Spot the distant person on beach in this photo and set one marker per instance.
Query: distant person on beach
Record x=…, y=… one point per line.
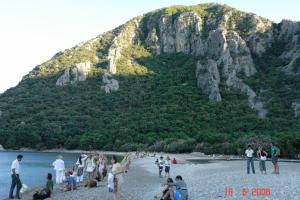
x=126, y=162
x=59, y=167
x=117, y=171
x=15, y=177
x=275, y=152
x=167, y=166
x=80, y=167
x=71, y=182
x=174, y=161
x=90, y=166
x=102, y=167
x=249, y=154
x=262, y=156
x=161, y=164
x=47, y=191
x=181, y=187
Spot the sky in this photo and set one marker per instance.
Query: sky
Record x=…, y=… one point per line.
x=32, y=31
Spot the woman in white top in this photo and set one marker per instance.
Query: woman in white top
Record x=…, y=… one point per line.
x=59, y=167
x=80, y=167
x=117, y=171
x=167, y=166
x=90, y=166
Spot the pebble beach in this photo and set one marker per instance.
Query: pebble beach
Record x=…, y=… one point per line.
x=208, y=181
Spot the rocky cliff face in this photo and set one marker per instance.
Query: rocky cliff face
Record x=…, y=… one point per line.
x=224, y=40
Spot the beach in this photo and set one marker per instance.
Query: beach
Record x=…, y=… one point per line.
x=205, y=181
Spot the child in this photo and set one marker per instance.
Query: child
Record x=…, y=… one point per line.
x=71, y=182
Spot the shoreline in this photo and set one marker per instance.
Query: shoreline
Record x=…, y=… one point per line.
x=181, y=157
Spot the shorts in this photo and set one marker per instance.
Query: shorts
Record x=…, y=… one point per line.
x=167, y=169
x=274, y=159
x=160, y=168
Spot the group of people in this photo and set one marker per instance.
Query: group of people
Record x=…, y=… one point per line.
x=94, y=165
x=262, y=156
x=161, y=164
x=173, y=190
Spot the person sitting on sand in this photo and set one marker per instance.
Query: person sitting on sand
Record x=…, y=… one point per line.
x=71, y=182
x=168, y=193
x=181, y=187
x=47, y=191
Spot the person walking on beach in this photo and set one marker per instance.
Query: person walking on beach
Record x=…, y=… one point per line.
x=275, y=152
x=15, y=177
x=80, y=167
x=262, y=156
x=167, y=166
x=59, y=167
x=161, y=164
x=249, y=153
x=117, y=171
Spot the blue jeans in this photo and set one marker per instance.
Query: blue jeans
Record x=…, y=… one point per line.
x=15, y=181
x=250, y=161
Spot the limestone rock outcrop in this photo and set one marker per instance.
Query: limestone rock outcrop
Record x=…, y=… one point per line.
x=78, y=73
x=110, y=84
x=121, y=41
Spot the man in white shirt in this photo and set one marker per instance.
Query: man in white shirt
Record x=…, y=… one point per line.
x=15, y=177
x=249, y=154
x=59, y=167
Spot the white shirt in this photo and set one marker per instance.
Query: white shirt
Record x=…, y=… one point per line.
x=15, y=165
x=168, y=163
x=249, y=152
x=59, y=164
x=161, y=162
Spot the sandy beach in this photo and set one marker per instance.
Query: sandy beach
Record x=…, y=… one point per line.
x=205, y=181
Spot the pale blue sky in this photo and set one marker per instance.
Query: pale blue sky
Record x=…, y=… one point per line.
x=32, y=31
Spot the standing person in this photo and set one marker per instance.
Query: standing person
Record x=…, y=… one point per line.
x=167, y=166
x=117, y=171
x=90, y=166
x=275, y=152
x=249, y=153
x=15, y=177
x=80, y=167
x=59, y=167
x=262, y=156
x=102, y=167
x=161, y=163
x=47, y=191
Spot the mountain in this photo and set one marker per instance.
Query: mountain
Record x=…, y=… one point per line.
x=204, y=78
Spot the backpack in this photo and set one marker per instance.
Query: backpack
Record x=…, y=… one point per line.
x=177, y=195
x=278, y=152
